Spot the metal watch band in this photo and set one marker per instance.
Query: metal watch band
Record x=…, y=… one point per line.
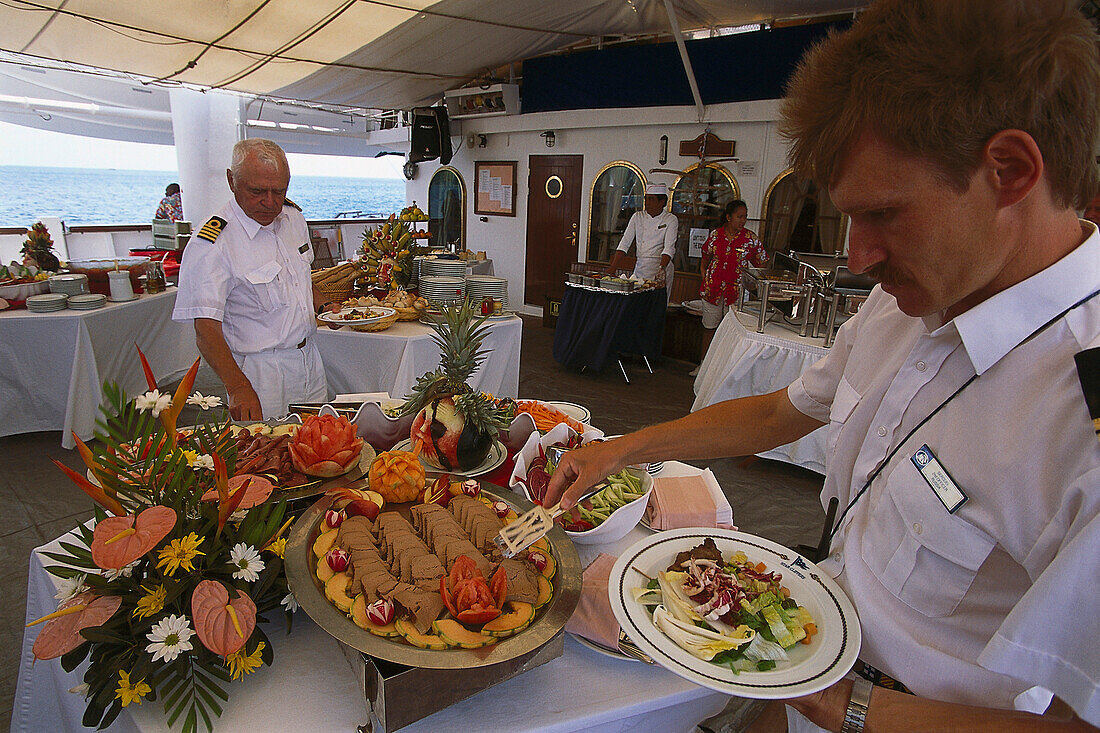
x=856, y=713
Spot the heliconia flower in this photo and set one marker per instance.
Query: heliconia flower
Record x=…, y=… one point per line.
x=206, y=402
x=154, y=401
x=175, y=404
x=71, y=587
x=247, y=561
x=130, y=692
x=170, y=636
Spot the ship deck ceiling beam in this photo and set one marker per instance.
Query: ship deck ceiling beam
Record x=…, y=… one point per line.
x=675, y=23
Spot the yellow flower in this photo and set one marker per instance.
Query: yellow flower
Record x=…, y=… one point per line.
x=241, y=664
x=179, y=553
x=190, y=455
x=131, y=692
x=278, y=546
x=150, y=603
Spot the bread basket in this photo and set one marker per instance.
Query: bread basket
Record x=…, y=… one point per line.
x=381, y=325
x=407, y=314
x=336, y=293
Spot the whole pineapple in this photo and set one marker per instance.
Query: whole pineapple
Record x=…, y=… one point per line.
x=454, y=425
x=38, y=249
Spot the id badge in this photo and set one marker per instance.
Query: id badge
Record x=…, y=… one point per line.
x=944, y=487
x=304, y=248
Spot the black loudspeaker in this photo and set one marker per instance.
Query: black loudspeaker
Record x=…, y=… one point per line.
x=431, y=135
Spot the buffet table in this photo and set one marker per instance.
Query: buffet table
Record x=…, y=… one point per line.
x=742, y=362
x=391, y=360
x=53, y=365
x=311, y=687
x=595, y=325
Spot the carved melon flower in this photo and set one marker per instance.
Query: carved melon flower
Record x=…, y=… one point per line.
x=70, y=587
x=241, y=664
x=154, y=401
x=247, y=561
x=130, y=692
x=150, y=603
x=170, y=636
x=179, y=553
x=206, y=402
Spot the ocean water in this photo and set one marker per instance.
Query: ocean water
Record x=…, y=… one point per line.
x=81, y=196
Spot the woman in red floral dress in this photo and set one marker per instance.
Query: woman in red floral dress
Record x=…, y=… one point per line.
x=727, y=252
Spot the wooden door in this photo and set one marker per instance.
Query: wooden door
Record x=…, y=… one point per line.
x=553, y=224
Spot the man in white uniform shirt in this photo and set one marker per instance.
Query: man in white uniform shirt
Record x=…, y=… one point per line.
x=654, y=230
x=245, y=283
x=959, y=137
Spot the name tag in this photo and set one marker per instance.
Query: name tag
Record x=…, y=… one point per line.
x=937, y=477
x=662, y=226
x=304, y=248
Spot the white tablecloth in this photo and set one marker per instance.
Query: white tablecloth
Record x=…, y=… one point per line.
x=310, y=686
x=391, y=360
x=53, y=365
x=742, y=362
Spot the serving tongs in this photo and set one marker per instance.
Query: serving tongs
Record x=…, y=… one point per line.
x=533, y=525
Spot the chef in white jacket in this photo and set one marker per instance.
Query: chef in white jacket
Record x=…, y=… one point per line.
x=654, y=230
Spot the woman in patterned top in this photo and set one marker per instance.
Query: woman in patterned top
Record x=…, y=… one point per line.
x=727, y=252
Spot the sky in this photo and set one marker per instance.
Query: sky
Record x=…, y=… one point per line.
x=43, y=148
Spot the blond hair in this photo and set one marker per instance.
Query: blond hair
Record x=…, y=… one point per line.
x=938, y=78
x=266, y=151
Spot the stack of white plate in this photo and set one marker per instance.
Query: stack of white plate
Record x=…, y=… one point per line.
x=441, y=290
x=87, y=302
x=69, y=284
x=480, y=287
x=47, y=302
x=443, y=268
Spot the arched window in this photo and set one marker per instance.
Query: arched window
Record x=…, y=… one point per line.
x=616, y=194
x=801, y=217
x=697, y=200
x=447, y=210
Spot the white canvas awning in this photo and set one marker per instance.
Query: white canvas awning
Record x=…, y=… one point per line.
x=388, y=54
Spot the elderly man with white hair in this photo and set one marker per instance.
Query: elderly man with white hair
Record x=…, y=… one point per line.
x=245, y=283
x=654, y=229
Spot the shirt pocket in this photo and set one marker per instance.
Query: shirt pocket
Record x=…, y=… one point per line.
x=265, y=285
x=844, y=404
x=926, y=557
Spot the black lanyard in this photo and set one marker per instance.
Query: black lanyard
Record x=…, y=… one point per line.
x=831, y=529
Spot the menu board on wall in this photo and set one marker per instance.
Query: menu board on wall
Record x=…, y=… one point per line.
x=496, y=186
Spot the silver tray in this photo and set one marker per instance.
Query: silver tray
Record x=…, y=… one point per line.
x=549, y=620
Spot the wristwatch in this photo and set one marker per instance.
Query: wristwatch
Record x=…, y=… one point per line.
x=856, y=713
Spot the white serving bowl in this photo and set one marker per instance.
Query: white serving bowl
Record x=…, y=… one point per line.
x=23, y=290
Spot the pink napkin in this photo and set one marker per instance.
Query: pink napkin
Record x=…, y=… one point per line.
x=683, y=501
x=593, y=618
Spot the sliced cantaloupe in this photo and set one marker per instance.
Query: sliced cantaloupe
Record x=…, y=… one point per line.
x=551, y=566
x=546, y=592
x=414, y=637
x=324, y=543
x=455, y=634
x=515, y=618
x=324, y=570
x=359, y=616
x=336, y=589
x=542, y=544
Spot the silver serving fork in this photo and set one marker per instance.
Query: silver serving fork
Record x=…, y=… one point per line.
x=533, y=525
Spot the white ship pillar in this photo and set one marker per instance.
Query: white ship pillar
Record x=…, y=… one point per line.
x=205, y=126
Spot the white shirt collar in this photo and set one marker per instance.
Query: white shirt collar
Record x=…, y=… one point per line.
x=998, y=324
x=250, y=225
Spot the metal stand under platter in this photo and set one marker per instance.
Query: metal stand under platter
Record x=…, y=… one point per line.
x=395, y=692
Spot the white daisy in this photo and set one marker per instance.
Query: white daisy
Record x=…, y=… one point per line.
x=170, y=636
x=289, y=602
x=123, y=572
x=70, y=587
x=204, y=402
x=247, y=561
x=154, y=401
x=201, y=461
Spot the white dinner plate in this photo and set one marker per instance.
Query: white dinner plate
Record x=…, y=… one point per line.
x=378, y=313
x=812, y=667
x=496, y=456
x=580, y=413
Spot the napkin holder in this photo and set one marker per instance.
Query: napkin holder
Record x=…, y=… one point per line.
x=395, y=693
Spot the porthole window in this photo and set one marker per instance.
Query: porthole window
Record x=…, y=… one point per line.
x=447, y=210
x=616, y=194
x=698, y=197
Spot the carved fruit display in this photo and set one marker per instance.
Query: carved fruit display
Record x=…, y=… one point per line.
x=397, y=475
x=325, y=446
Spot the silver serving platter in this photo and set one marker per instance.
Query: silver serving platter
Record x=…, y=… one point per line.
x=549, y=620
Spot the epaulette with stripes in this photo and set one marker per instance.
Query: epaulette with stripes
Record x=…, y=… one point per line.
x=211, y=229
x=291, y=204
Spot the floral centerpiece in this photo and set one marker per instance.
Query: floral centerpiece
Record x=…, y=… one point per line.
x=388, y=251
x=38, y=249
x=165, y=593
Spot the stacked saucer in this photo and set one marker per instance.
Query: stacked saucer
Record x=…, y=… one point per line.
x=440, y=290
x=69, y=284
x=47, y=302
x=87, y=302
x=443, y=268
x=480, y=287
